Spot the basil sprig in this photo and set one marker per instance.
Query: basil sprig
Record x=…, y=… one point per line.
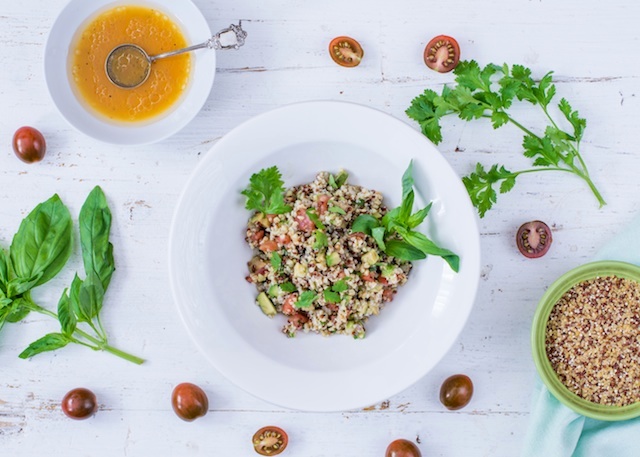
x=395, y=234
x=39, y=251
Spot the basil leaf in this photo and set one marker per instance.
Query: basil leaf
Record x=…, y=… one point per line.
x=407, y=181
x=74, y=300
x=49, y=342
x=315, y=219
x=43, y=242
x=364, y=223
x=332, y=181
x=390, y=219
x=19, y=309
x=427, y=246
x=95, y=225
x=18, y=286
x=321, y=240
x=4, y=269
x=331, y=296
x=405, y=208
x=4, y=300
x=276, y=261
x=341, y=178
x=288, y=287
x=419, y=216
x=378, y=235
x=337, y=210
x=340, y=286
x=404, y=251
x=306, y=299
x=67, y=318
x=91, y=295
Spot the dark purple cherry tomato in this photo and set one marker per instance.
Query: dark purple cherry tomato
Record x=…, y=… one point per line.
x=270, y=440
x=346, y=51
x=442, y=54
x=402, y=448
x=29, y=144
x=79, y=403
x=456, y=391
x=534, y=239
x=189, y=401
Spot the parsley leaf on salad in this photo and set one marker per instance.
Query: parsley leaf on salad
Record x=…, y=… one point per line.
x=266, y=192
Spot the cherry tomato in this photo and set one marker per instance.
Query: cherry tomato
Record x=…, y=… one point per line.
x=456, y=391
x=79, y=403
x=402, y=448
x=534, y=239
x=189, y=401
x=442, y=54
x=270, y=440
x=346, y=51
x=29, y=144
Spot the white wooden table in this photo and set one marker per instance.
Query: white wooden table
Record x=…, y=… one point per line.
x=593, y=47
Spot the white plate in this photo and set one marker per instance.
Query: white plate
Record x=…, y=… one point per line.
x=72, y=17
x=208, y=257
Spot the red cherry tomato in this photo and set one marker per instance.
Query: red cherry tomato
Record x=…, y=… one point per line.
x=442, y=54
x=456, y=391
x=270, y=440
x=534, y=239
x=189, y=401
x=402, y=448
x=79, y=403
x=346, y=51
x=29, y=144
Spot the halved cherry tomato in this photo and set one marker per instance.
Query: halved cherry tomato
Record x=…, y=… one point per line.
x=346, y=51
x=442, y=54
x=534, y=239
x=270, y=440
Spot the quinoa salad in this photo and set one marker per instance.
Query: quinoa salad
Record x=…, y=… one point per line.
x=310, y=266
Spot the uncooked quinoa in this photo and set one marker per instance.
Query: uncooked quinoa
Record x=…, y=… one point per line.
x=309, y=266
x=593, y=340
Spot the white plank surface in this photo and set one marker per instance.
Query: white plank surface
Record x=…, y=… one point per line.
x=591, y=46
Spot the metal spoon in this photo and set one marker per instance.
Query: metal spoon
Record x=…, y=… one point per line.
x=128, y=65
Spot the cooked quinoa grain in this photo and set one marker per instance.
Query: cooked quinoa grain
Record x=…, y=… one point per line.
x=593, y=340
x=324, y=278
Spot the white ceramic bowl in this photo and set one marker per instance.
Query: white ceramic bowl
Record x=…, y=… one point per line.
x=57, y=74
x=208, y=259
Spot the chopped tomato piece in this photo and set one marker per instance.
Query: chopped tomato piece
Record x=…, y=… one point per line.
x=257, y=236
x=268, y=246
x=287, y=306
x=323, y=203
x=284, y=239
x=387, y=294
x=304, y=223
x=368, y=276
x=298, y=319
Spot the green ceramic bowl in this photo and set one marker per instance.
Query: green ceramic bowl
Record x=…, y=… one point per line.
x=546, y=372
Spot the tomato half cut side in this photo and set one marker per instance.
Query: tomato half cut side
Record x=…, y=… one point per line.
x=270, y=440
x=346, y=51
x=442, y=54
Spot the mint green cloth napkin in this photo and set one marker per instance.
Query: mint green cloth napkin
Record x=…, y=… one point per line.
x=554, y=429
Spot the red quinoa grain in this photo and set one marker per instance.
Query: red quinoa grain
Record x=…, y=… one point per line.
x=593, y=340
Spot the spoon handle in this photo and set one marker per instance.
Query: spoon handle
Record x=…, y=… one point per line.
x=179, y=51
x=233, y=36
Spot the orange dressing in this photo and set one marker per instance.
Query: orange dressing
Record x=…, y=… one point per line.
x=154, y=32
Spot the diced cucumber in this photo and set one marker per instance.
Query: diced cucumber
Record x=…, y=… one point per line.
x=333, y=259
x=370, y=257
x=266, y=305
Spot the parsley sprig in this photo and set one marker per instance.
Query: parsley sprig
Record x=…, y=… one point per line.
x=488, y=93
x=395, y=234
x=266, y=192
